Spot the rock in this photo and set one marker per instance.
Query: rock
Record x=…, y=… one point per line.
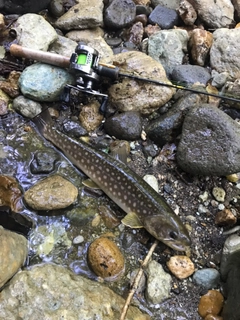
x=90, y=117
x=205, y=134
x=85, y=35
x=43, y=82
x=109, y=217
x=142, y=283
x=152, y=181
x=56, y=8
x=84, y=15
x=44, y=161
x=131, y=95
x=61, y=294
x=181, y=266
x=225, y=218
x=219, y=194
x=63, y=46
x=208, y=278
x=16, y=7
x=10, y=193
x=10, y=86
x=210, y=303
x=164, y=17
x=27, y=107
x=105, y=259
x=161, y=43
x=231, y=249
x=187, y=12
x=172, y=4
x=120, y=13
x=51, y=193
x=167, y=126
x=236, y=4
x=136, y=33
x=4, y=100
x=233, y=177
x=189, y=74
x=224, y=50
x=13, y=253
x=34, y=32
x=213, y=317
x=200, y=43
x=121, y=125
x=74, y=129
x=215, y=14
x=78, y=239
x=158, y=283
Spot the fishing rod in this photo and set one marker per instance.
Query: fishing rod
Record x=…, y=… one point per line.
x=85, y=66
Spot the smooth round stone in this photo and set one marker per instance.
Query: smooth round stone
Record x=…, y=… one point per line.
x=105, y=259
x=210, y=303
x=181, y=266
x=207, y=278
x=190, y=74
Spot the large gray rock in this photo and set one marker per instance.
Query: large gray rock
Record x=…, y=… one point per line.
x=120, y=13
x=209, y=143
x=24, y=6
x=53, y=292
x=224, y=53
x=13, y=253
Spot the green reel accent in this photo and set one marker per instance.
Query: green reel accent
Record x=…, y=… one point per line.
x=85, y=59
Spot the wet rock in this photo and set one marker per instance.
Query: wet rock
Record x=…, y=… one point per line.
x=109, y=217
x=219, y=194
x=14, y=6
x=120, y=13
x=213, y=317
x=43, y=82
x=10, y=193
x=189, y=74
x=51, y=193
x=208, y=278
x=216, y=14
x=105, y=259
x=121, y=125
x=136, y=33
x=224, y=50
x=200, y=43
x=70, y=295
x=4, y=100
x=84, y=15
x=206, y=133
x=13, y=253
x=210, y=303
x=90, y=117
x=158, y=283
x=164, y=17
x=225, y=218
x=181, y=266
x=130, y=95
x=27, y=107
x=74, y=129
x=168, y=126
x=34, y=32
x=141, y=18
x=187, y=12
x=44, y=161
x=10, y=86
x=165, y=41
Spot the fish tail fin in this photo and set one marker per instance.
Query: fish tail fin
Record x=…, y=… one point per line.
x=42, y=120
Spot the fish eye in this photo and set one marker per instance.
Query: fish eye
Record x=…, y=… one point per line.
x=173, y=235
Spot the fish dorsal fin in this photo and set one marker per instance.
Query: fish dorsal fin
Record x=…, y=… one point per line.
x=90, y=184
x=131, y=220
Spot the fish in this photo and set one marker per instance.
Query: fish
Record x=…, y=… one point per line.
x=145, y=208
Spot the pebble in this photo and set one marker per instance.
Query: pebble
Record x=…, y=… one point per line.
x=225, y=218
x=74, y=129
x=44, y=161
x=136, y=33
x=213, y=317
x=181, y=266
x=79, y=239
x=34, y=32
x=164, y=17
x=219, y=194
x=90, y=117
x=187, y=13
x=119, y=14
x=33, y=81
x=130, y=95
x=200, y=43
x=53, y=192
x=4, y=100
x=27, y=107
x=80, y=17
x=152, y=181
x=10, y=85
x=105, y=259
x=10, y=193
x=210, y=303
x=13, y=253
x=208, y=278
x=233, y=177
x=158, y=283
x=211, y=130
x=121, y=125
x=189, y=74
x=172, y=4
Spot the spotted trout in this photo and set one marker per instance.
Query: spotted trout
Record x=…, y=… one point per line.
x=143, y=205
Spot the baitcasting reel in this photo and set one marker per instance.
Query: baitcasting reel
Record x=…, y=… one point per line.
x=84, y=65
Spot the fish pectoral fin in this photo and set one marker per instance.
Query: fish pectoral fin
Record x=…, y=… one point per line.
x=131, y=220
x=90, y=184
x=120, y=151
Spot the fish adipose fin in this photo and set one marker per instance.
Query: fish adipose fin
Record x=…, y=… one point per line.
x=131, y=220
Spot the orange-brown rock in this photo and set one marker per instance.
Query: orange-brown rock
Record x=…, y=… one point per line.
x=10, y=86
x=200, y=43
x=10, y=194
x=213, y=317
x=90, y=117
x=105, y=259
x=187, y=12
x=225, y=218
x=210, y=303
x=181, y=266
